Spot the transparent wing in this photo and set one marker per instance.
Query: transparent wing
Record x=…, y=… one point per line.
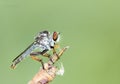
x=24, y=54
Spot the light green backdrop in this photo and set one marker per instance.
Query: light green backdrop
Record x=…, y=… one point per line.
x=90, y=27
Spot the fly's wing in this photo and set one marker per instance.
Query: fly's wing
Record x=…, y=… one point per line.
x=24, y=54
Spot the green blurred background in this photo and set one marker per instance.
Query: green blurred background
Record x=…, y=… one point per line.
x=90, y=27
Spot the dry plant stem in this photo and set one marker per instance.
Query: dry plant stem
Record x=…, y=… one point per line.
x=44, y=76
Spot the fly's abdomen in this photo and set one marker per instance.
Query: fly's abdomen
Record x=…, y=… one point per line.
x=23, y=55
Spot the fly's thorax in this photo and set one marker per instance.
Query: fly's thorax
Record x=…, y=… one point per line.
x=41, y=35
x=43, y=43
x=46, y=41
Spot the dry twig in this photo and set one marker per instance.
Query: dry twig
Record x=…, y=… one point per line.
x=44, y=76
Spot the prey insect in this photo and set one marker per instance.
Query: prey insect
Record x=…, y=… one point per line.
x=45, y=42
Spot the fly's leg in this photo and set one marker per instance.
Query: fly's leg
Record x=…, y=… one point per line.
x=38, y=59
x=62, y=51
x=56, y=46
x=34, y=54
x=43, y=53
x=59, y=54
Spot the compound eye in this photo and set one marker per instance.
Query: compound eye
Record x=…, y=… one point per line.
x=55, y=36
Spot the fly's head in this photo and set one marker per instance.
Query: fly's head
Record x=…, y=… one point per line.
x=56, y=37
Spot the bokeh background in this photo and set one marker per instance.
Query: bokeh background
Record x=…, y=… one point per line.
x=90, y=27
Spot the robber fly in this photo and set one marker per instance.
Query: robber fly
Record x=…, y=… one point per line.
x=44, y=41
